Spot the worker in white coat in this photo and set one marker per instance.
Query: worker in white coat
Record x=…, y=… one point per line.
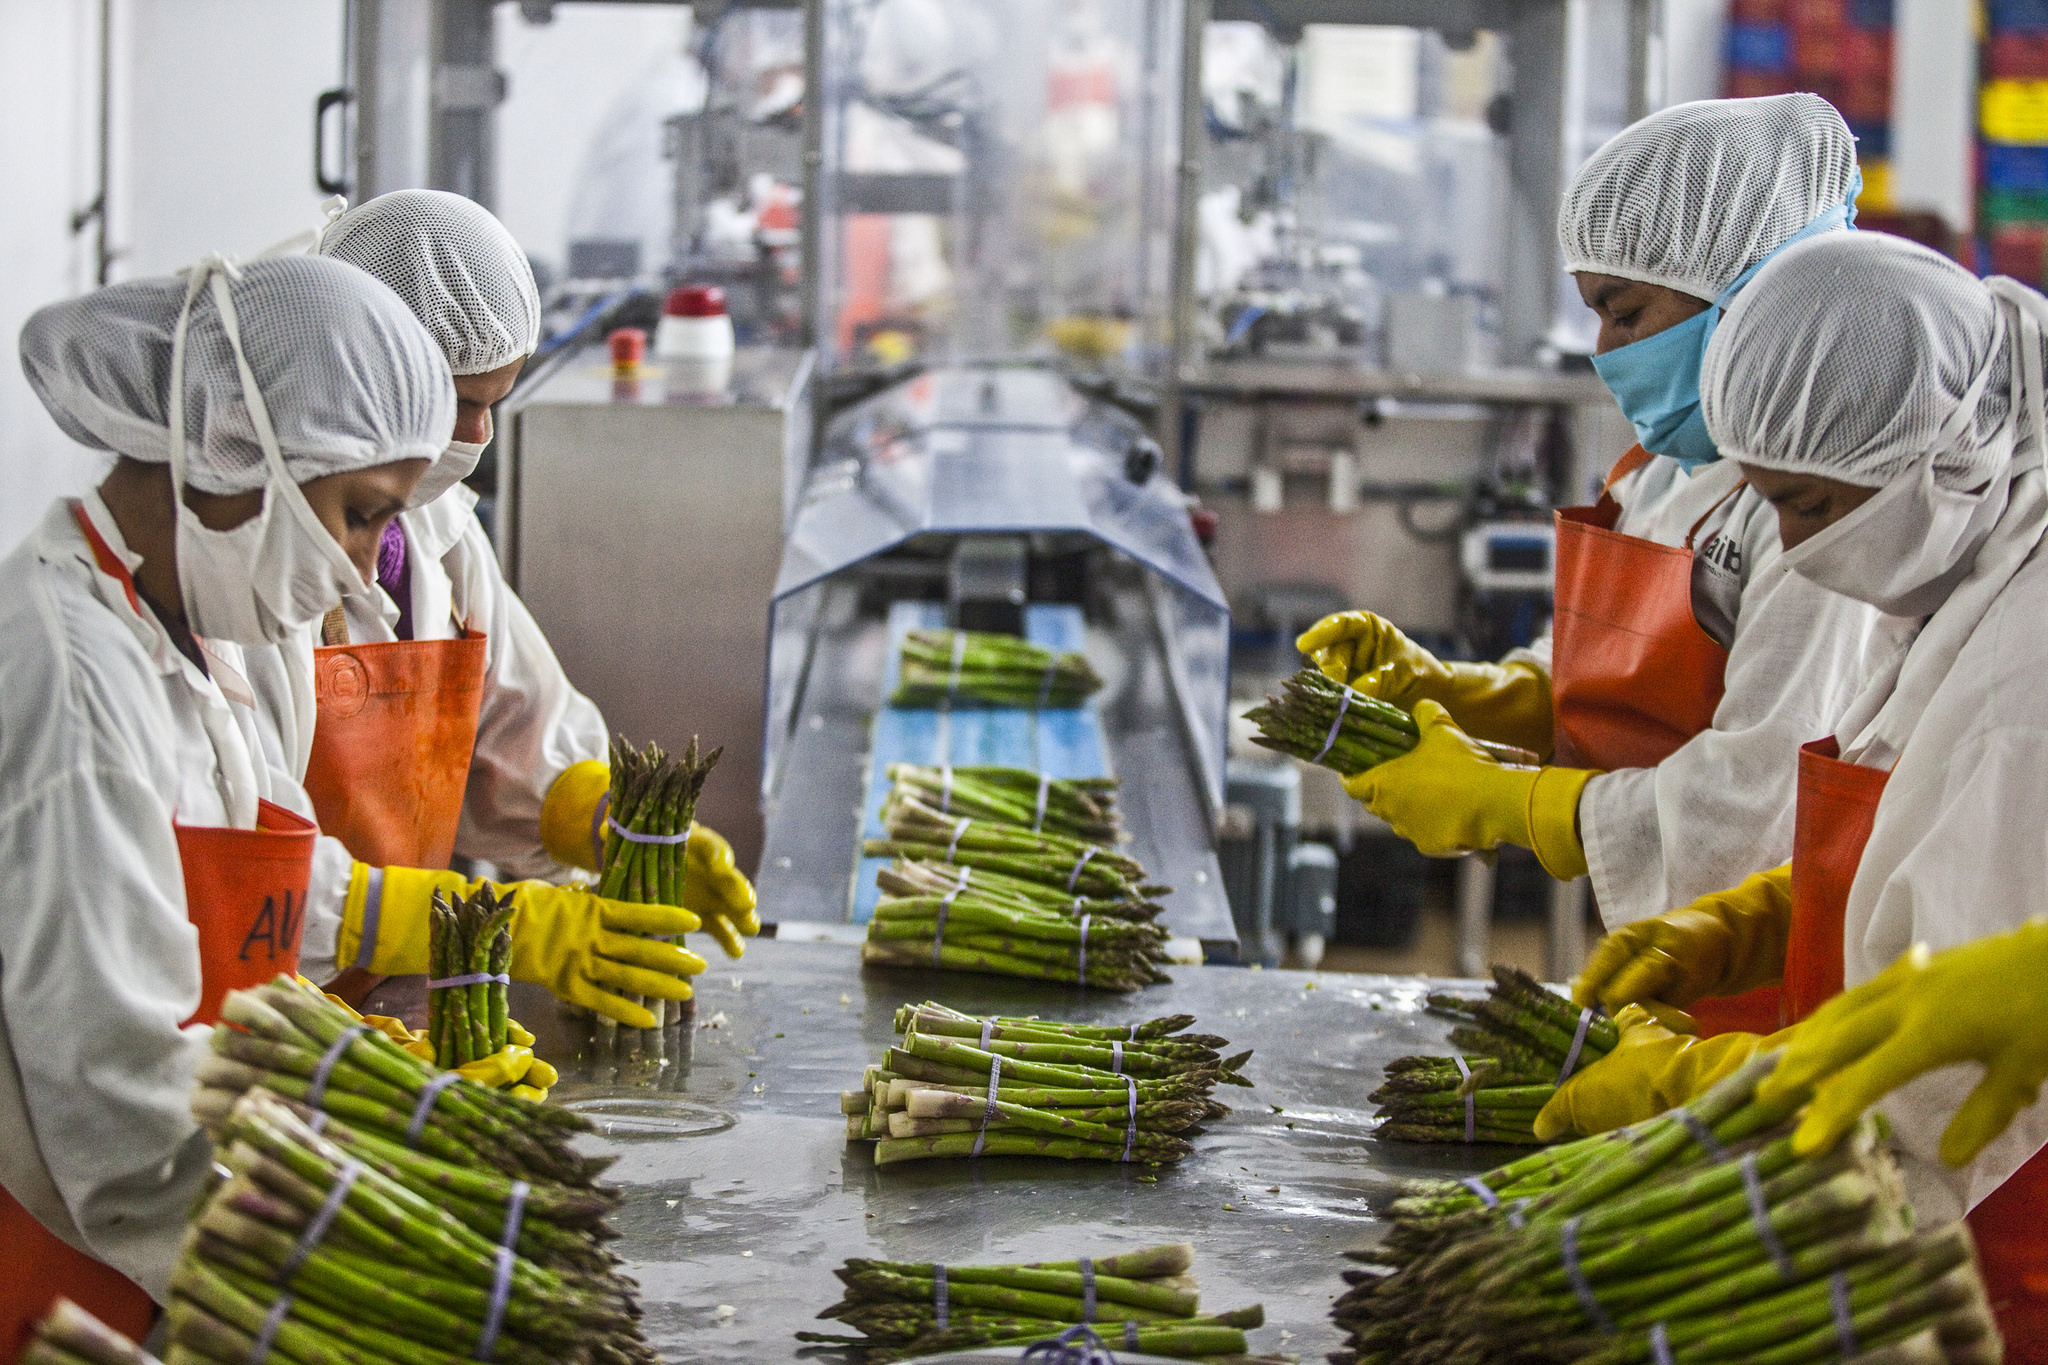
x=155, y=859
x=1686, y=662
x=445, y=722
x=1890, y=406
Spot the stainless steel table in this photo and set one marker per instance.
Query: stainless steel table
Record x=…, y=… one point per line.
x=735, y=1228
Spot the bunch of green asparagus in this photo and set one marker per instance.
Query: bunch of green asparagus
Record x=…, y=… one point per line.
x=1515, y=1047
x=469, y=944
x=1141, y=1301
x=326, y=1246
x=961, y=1086
x=1326, y=723
x=647, y=825
x=1697, y=1237
x=971, y=667
x=1081, y=808
x=68, y=1335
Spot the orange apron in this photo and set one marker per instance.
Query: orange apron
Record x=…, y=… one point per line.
x=1632, y=675
x=245, y=893
x=1837, y=805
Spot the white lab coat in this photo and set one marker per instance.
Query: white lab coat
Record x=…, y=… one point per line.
x=1720, y=807
x=107, y=733
x=533, y=723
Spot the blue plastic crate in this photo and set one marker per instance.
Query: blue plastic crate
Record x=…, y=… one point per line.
x=2026, y=16
x=2015, y=168
x=1762, y=47
x=1872, y=139
x=1870, y=13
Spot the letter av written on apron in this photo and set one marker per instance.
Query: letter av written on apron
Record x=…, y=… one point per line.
x=1837, y=807
x=1632, y=674
x=245, y=893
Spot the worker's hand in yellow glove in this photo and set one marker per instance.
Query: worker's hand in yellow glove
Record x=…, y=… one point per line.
x=1506, y=703
x=1983, y=1002
x=1447, y=795
x=570, y=825
x=507, y=1066
x=1723, y=944
x=717, y=892
x=1650, y=1070
x=588, y=950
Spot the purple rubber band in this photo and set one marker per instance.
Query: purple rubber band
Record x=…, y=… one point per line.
x=1087, y=1289
x=1074, y=877
x=1702, y=1135
x=429, y=1093
x=988, y=1115
x=1581, y=1290
x=1038, y=812
x=1845, y=1315
x=501, y=1286
x=1483, y=1190
x=1131, y=1123
x=635, y=837
x=945, y=904
x=939, y=1296
x=604, y=803
x=1052, y=666
x=946, y=790
x=1081, y=964
x=373, y=911
x=317, y=1091
x=1471, y=1099
x=1518, y=1216
x=469, y=979
x=1336, y=727
x=1760, y=1215
x=959, y=658
x=1130, y=1334
x=988, y=1029
x=259, y=1350
x=1660, y=1344
x=318, y=1123
x=958, y=830
x=1571, y=1059
x=322, y=1221
x=1116, y=1056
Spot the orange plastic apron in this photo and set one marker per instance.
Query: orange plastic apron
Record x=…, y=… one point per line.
x=397, y=724
x=245, y=892
x=1632, y=675
x=1837, y=806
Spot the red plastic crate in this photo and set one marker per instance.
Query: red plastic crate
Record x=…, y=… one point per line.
x=1867, y=56
x=2020, y=250
x=1864, y=101
x=1817, y=52
x=1817, y=13
x=1757, y=11
x=1744, y=85
x=2016, y=57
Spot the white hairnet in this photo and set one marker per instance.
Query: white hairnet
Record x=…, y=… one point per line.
x=455, y=266
x=1694, y=195
x=349, y=376
x=1853, y=355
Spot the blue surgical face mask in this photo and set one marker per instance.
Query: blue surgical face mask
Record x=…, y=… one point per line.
x=1657, y=380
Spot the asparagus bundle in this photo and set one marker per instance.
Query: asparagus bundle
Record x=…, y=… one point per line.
x=1081, y=808
x=1324, y=722
x=647, y=824
x=962, y=1086
x=469, y=945
x=68, y=1335
x=1077, y=867
x=956, y=667
x=1516, y=1046
x=290, y=1040
x=328, y=1246
x=1697, y=1237
x=1141, y=1301
x=964, y=929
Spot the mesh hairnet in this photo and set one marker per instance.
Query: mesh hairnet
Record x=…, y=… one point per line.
x=1694, y=195
x=455, y=266
x=1852, y=355
x=349, y=376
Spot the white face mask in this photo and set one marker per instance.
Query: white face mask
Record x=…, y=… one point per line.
x=277, y=572
x=457, y=462
x=1906, y=549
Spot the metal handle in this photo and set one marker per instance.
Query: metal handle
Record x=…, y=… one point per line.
x=338, y=97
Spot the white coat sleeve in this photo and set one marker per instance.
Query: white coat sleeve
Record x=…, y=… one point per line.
x=533, y=723
x=98, y=967
x=1721, y=806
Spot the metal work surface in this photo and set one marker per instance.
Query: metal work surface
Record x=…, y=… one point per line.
x=1324, y=379
x=734, y=1230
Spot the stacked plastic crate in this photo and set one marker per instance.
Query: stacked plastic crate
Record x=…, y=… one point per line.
x=2013, y=122
x=1840, y=50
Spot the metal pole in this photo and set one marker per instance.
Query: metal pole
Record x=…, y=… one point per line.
x=1567, y=928
x=1475, y=913
x=1184, y=343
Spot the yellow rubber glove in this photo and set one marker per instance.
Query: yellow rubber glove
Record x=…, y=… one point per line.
x=568, y=817
x=1650, y=1070
x=1983, y=1002
x=1506, y=703
x=1447, y=795
x=717, y=892
x=507, y=1066
x=588, y=950
x=1723, y=944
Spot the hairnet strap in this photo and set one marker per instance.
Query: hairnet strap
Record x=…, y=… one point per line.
x=1336, y=726
x=429, y=1093
x=945, y=1311
x=1483, y=1190
x=1081, y=962
x=317, y=1091
x=1760, y=1215
x=330, y=1209
x=1074, y=877
x=1660, y=1344
x=946, y=789
x=988, y=1115
x=953, y=844
x=1087, y=1289
x=1845, y=1315
x=1582, y=1289
x=1038, y=808
x=1471, y=1099
x=632, y=836
x=273, y=1322
x=195, y=280
x=501, y=1283
x=1571, y=1058
x=373, y=916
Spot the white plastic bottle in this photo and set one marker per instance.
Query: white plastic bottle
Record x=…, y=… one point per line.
x=694, y=341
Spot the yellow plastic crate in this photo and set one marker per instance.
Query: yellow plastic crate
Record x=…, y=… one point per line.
x=2015, y=112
